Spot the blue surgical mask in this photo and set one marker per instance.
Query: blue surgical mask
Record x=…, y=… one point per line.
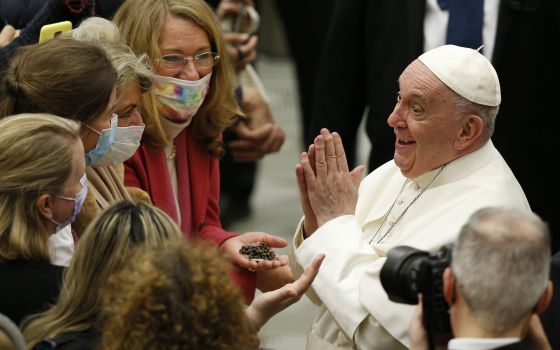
x=106, y=139
x=127, y=141
x=78, y=202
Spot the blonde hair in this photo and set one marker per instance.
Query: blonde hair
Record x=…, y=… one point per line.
x=140, y=23
x=6, y=342
x=128, y=65
x=68, y=78
x=178, y=296
x=36, y=152
x=103, y=249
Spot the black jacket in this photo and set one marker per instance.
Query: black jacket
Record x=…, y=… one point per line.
x=28, y=287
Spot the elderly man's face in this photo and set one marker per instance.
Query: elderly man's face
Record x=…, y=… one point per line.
x=424, y=121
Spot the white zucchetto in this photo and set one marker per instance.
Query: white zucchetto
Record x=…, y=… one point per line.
x=465, y=71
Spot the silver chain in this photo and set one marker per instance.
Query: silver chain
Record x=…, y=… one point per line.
x=405, y=209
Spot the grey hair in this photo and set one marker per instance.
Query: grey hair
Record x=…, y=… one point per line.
x=95, y=30
x=128, y=65
x=487, y=113
x=501, y=263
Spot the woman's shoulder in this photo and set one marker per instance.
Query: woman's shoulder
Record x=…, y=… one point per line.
x=70, y=341
x=30, y=267
x=31, y=274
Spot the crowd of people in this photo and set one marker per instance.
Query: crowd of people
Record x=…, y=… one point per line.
x=111, y=233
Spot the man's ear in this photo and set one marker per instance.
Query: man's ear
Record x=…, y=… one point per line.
x=472, y=127
x=44, y=205
x=544, y=300
x=449, y=286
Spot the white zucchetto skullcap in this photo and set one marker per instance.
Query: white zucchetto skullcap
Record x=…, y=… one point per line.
x=465, y=71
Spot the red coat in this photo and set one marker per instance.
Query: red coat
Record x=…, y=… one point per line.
x=147, y=169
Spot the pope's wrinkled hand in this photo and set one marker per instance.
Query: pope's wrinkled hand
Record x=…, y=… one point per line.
x=332, y=189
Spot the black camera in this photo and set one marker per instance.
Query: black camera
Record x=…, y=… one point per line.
x=409, y=271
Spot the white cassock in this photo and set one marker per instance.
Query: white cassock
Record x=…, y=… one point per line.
x=355, y=312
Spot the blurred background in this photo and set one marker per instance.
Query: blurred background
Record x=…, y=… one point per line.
x=274, y=203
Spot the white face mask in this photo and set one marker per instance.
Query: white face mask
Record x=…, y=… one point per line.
x=180, y=99
x=127, y=141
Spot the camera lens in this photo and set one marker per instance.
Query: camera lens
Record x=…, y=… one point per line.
x=399, y=274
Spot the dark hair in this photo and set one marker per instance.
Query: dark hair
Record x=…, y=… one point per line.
x=65, y=77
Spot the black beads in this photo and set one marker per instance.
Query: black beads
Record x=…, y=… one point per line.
x=261, y=251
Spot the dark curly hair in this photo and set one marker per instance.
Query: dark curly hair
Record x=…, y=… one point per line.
x=176, y=297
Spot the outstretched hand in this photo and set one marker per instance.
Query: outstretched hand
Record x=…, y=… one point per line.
x=268, y=304
x=231, y=248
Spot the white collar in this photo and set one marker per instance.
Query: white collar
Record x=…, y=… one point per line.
x=460, y=167
x=479, y=343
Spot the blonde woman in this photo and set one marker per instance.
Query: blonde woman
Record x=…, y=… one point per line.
x=104, y=248
x=42, y=184
x=70, y=79
x=185, y=114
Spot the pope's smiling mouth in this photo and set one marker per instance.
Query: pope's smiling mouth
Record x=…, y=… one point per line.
x=404, y=143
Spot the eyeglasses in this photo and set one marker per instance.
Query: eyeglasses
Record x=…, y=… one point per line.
x=178, y=61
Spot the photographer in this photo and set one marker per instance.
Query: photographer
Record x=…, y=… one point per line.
x=497, y=283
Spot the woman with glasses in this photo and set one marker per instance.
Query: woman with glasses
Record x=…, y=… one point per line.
x=70, y=79
x=192, y=103
x=42, y=187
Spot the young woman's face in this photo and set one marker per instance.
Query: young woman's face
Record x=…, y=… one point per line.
x=103, y=121
x=62, y=207
x=183, y=37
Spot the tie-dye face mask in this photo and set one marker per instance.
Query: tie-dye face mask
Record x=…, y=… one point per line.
x=180, y=99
